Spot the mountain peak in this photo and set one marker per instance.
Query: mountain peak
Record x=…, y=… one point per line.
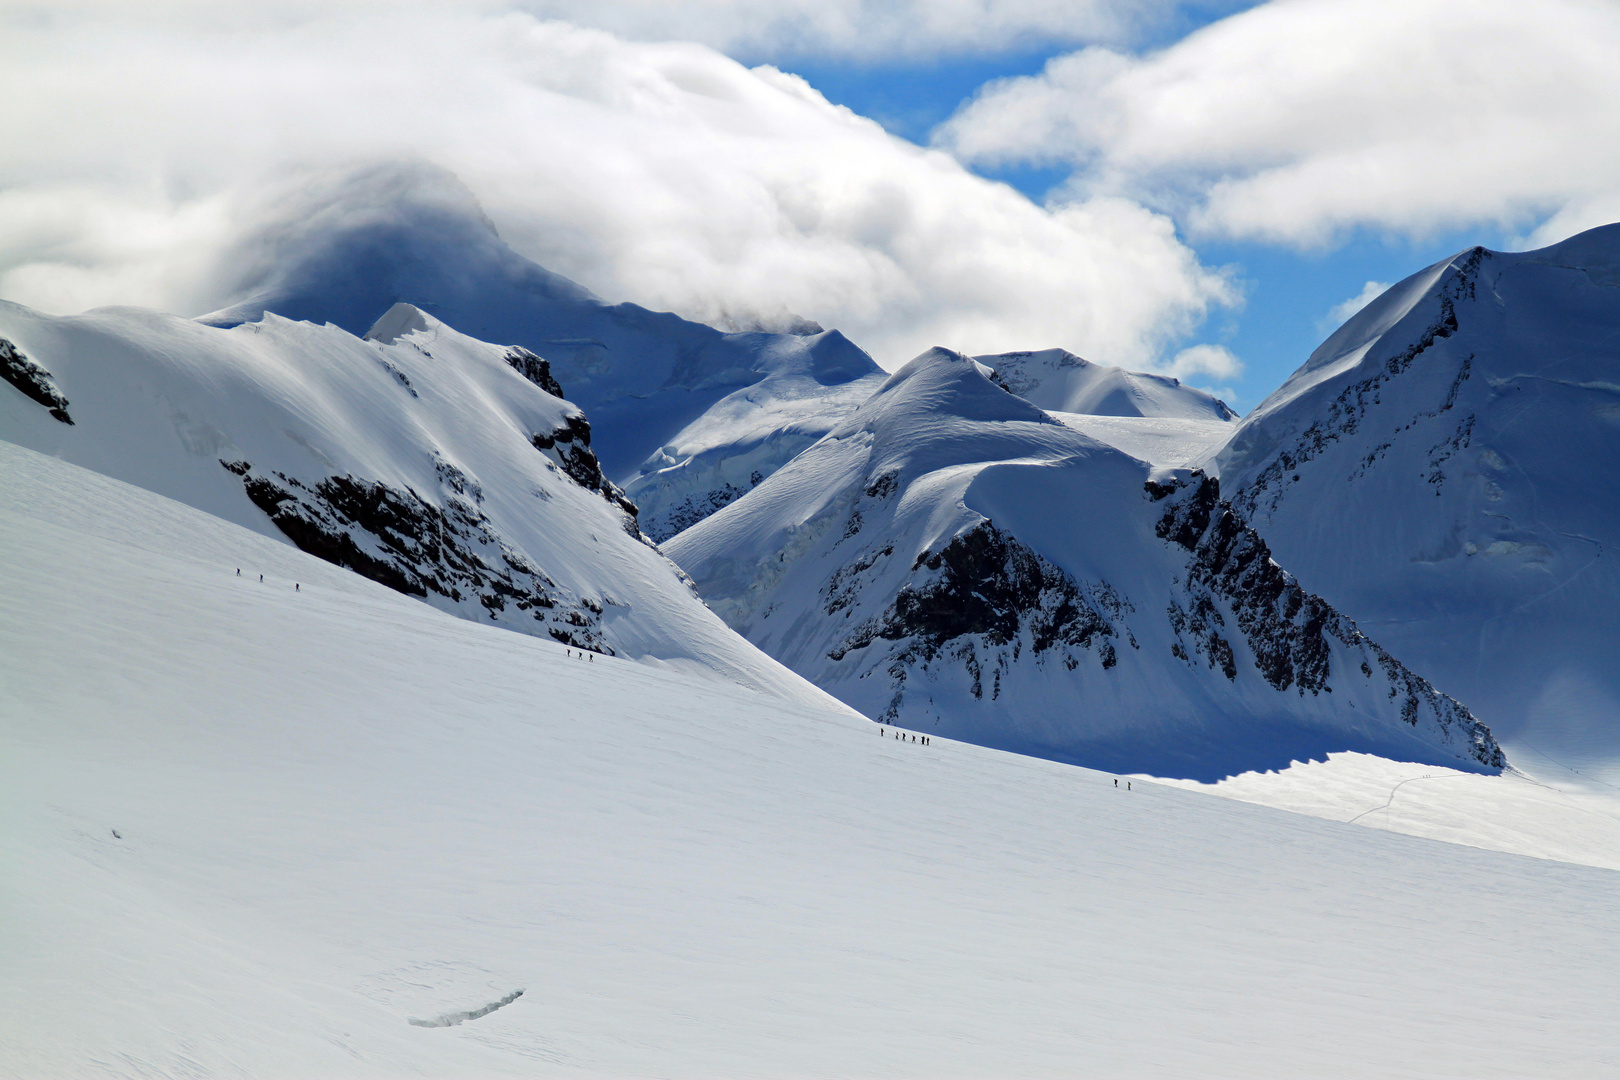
x=942, y=382
x=1059, y=381
x=400, y=321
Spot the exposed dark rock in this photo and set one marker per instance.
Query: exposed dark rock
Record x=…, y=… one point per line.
x=883, y=486
x=983, y=597
x=34, y=381
x=395, y=537
x=570, y=447
x=533, y=368
x=399, y=377
x=1288, y=630
x=1343, y=416
x=843, y=588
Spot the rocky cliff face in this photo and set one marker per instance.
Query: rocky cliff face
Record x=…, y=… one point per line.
x=32, y=381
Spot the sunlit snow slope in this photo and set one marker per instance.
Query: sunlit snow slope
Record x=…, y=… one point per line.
x=1059, y=381
x=249, y=831
x=1443, y=468
x=954, y=559
x=439, y=465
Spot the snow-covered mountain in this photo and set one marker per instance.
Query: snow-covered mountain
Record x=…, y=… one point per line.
x=953, y=559
x=1443, y=468
x=1056, y=380
x=442, y=466
x=750, y=433
x=415, y=234
x=333, y=833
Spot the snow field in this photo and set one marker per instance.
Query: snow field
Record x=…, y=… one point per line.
x=340, y=810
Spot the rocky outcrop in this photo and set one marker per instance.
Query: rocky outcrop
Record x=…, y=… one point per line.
x=1290, y=632
x=533, y=368
x=982, y=599
x=399, y=539
x=33, y=381
x=569, y=446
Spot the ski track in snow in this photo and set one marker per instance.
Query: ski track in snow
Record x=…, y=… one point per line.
x=451, y=1019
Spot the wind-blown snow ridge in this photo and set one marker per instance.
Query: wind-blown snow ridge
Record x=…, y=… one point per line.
x=1059, y=381
x=951, y=558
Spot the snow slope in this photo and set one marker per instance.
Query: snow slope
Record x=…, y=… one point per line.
x=1443, y=469
x=1059, y=381
x=415, y=234
x=953, y=559
x=439, y=465
x=338, y=811
x=747, y=435
x=1171, y=441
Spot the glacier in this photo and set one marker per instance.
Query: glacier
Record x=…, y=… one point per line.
x=252, y=831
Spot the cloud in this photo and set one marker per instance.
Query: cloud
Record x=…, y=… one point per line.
x=1300, y=119
x=1340, y=313
x=867, y=28
x=863, y=30
x=1215, y=361
x=139, y=150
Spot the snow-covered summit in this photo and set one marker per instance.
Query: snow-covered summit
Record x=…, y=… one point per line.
x=442, y=466
x=1059, y=381
x=954, y=559
x=1442, y=468
x=414, y=233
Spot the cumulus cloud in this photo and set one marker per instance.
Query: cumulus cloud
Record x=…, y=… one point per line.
x=1214, y=361
x=1211, y=368
x=140, y=149
x=1299, y=119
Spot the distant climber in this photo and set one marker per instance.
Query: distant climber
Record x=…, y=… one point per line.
x=238, y=571
x=1116, y=781
x=261, y=579
x=295, y=586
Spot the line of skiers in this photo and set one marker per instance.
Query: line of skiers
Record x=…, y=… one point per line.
x=261, y=579
x=588, y=657
x=905, y=736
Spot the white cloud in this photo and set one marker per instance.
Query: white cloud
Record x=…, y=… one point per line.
x=1299, y=119
x=1216, y=361
x=876, y=30
x=138, y=150
x=866, y=28
x=1340, y=313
